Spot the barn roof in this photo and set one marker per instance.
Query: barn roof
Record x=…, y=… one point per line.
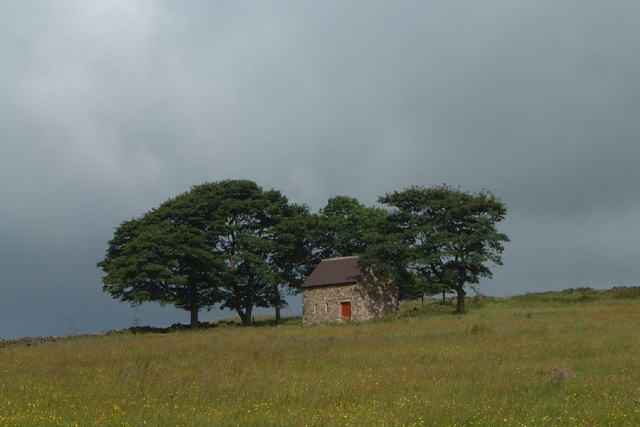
x=335, y=271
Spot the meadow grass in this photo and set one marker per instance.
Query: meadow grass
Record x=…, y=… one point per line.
x=514, y=362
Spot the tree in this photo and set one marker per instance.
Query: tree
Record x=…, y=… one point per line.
x=162, y=257
x=445, y=236
x=245, y=224
x=345, y=227
x=216, y=243
x=290, y=256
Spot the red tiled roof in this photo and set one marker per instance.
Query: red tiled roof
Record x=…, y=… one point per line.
x=335, y=271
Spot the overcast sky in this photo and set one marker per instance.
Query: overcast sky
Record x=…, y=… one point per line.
x=108, y=108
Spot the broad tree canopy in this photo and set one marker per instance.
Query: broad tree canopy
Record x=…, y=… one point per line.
x=234, y=244
x=346, y=227
x=445, y=237
x=162, y=256
x=224, y=242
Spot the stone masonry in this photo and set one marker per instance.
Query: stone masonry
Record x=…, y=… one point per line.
x=365, y=296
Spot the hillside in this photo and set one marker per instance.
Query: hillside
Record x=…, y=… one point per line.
x=566, y=358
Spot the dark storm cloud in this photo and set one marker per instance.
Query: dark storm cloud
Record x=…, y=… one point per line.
x=111, y=108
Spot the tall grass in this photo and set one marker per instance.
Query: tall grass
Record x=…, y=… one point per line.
x=513, y=362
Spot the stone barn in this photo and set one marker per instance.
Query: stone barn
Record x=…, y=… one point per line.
x=342, y=289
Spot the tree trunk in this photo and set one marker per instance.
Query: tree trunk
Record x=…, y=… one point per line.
x=460, y=302
x=194, y=316
x=278, y=315
x=245, y=316
x=248, y=319
x=277, y=305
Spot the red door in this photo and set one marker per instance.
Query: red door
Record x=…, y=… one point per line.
x=345, y=310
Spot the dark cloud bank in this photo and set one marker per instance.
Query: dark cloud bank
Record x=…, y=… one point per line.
x=111, y=108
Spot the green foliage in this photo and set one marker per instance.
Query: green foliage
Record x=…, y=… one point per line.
x=234, y=244
x=228, y=242
x=442, y=237
x=163, y=257
x=346, y=227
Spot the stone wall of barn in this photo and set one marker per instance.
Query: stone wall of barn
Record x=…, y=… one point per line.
x=369, y=299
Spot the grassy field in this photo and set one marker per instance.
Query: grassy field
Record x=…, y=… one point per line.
x=564, y=359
